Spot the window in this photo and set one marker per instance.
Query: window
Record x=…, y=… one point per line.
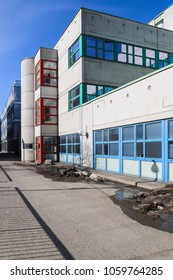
x=153, y=149
x=128, y=149
x=74, y=52
x=91, y=92
x=38, y=112
x=128, y=141
x=50, y=148
x=130, y=54
x=46, y=73
x=139, y=141
x=153, y=143
x=98, y=136
x=99, y=48
x=128, y=133
x=163, y=59
x=107, y=142
x=113, y=134
x=75, y=97
x=46, y=111
x=84, y=93
x=49, y=111
x=170, y=139
x=70, y=144
x=150, y=58
x=153, y=131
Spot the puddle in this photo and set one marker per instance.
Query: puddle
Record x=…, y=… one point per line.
x=161, y=220
x=125, y=194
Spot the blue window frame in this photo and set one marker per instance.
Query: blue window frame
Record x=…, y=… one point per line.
x=70, y=144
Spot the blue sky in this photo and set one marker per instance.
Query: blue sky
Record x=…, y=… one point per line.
x=27, y=25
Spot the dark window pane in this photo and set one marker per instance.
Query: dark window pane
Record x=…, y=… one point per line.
x=105, y=149
x=98, y=136
x=113, y=134
x=153, y=149
x=69, y=138
x=98, y=149
x=170, y=149
x=139, y=150
x=128, y=149
x=139, y=132
x=77, y=149
x=113, y=149
x=62, y=149
x=70, y=149
x=153, y=131
x=128, y=133
x=76, y=102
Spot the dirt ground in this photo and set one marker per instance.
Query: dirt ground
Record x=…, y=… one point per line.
x=150, y=208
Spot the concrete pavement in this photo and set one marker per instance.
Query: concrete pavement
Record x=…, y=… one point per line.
x=77, y=220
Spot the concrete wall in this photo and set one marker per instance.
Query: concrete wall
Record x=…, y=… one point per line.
x=27, y=107
x=124, y=30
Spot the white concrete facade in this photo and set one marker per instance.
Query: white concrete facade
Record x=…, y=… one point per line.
x=164, y=19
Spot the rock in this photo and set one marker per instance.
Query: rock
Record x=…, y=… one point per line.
x=48, y=162
x=84, y=173
x=160, y=207
x=96, y=178
x=62, y=172
x=140, y=194
x=76, y=174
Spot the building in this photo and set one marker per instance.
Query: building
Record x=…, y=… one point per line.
x=11, y=121
x=164, y=19
x=101, y=97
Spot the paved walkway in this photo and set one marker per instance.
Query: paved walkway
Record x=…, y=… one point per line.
x=44, y=219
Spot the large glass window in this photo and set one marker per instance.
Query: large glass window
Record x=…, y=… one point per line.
x=106, y=49
x=107, y=142
x=70, y=144
x=99, y=48
x=130, y=54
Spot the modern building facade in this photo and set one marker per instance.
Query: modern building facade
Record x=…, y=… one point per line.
x=164, y=19
x=11, y=121
x=101, y=97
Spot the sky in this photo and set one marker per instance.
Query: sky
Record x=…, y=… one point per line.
x=27, y=25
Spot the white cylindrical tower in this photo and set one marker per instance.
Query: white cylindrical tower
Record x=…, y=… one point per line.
x=27, y=109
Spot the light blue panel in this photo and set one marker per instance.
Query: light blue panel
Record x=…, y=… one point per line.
x=101, y=163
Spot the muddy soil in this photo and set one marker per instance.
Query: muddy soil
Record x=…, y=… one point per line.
x=150, y=208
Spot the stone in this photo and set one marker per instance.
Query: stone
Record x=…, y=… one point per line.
x=96, y=178
x=48, y=162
